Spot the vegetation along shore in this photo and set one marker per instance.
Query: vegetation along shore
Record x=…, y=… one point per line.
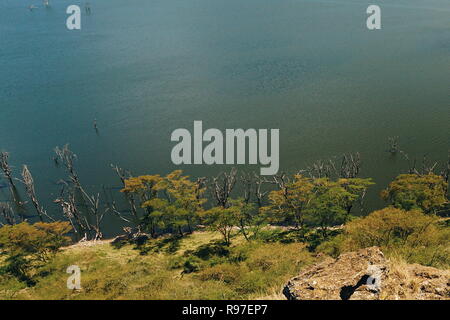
x=238, y=235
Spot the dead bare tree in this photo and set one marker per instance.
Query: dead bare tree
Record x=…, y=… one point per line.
x=121, y=173
x=281, y=180
x=7, y=213
x=426, y=166
x=429, y=167
x=29, y=186
x=350, y=166
x=4, y=165
x=97, y=214
x=200, y=187
x=70, y=210
x=411, y=163
x=67, y=157
x=124, y=175
x=223, y=185
x=247, y=185
x=259, y=193
x=445, y=173
x=320, y=169
x=118, y=213
x=393, y=145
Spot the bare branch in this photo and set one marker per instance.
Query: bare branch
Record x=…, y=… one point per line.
x=7, y=213
x=223, y=185
x=4, y=166
x=29, y=186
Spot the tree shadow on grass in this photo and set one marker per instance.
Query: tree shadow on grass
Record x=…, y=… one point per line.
x=168, y=245
x=207, y=251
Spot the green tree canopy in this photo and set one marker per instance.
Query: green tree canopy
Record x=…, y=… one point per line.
x=26, y=245
x=413, y=191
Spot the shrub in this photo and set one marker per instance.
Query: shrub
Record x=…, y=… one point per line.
x=332, y=247
x=413, y=235
x=26, y=245
x=191, y=264
x=391, y=227
x=413, y=191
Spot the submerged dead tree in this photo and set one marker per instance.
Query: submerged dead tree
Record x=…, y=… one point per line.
x=7, y=213
x=29, y=187
x=76, y=218
x=246, y=180
x=393, y=145
x=97, y=214
x=260, y=194
x=88, y=222
x=124, y=175
x=5, y=167
x=445, y=173
x=428, y=167
x=349, y=167
x=321, y=169
x=67, y=158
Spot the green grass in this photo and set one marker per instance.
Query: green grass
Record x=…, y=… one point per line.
x=197, y=266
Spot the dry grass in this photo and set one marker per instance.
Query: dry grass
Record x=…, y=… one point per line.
x=257, y=269
x=409, y=281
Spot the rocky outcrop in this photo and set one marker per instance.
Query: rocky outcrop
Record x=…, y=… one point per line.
x=367, y=275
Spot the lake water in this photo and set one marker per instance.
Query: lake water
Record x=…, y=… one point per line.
x=143, y=68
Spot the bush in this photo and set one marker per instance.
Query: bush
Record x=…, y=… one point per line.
x=26, y=246
x=413, y=235
x=332, y=247
x=413, y=191
x=392, y=227
x=191, y=264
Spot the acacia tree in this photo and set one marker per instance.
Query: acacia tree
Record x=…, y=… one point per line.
x=288, y=203
x=26, y=246
x=414, y=191
x=177, y=203
x=186, y=197
x=395, y=227
x=356, y=187
x=328, y=204
x=245, y=215
x=145, y=188
x=222, y=220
